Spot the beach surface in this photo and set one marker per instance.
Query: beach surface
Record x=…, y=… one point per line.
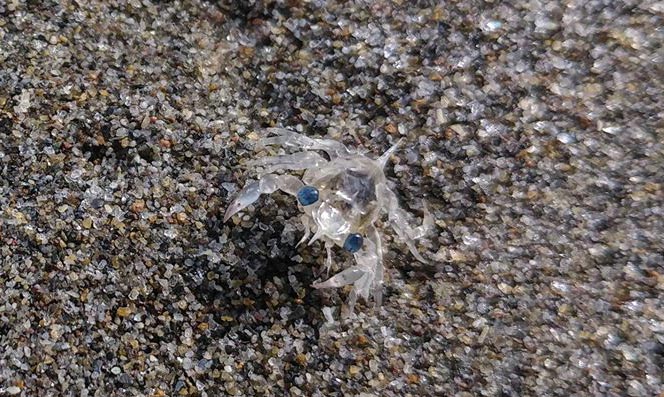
x=532, y=130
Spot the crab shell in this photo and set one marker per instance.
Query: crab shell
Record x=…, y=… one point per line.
x=351, y=195
x=348, y=201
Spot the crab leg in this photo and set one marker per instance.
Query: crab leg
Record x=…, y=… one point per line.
x=363, y=275
x=292, y=139
x=385, y=157
x=348, y=276
x=328, y=260
x=266, y=184
x=377, y=285
x=307, y=230
x=295, y=161
x=398, y=220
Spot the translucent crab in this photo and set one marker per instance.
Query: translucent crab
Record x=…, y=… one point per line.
x=342, y=198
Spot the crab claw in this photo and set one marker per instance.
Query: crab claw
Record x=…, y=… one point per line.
x=348, y=276
x=246, y=197
x=266, y=185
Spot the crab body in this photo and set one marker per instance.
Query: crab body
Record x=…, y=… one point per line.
x=341, y=200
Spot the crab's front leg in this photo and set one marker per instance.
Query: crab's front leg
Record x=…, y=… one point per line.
x=328, y=259
x=266, y=184
x=306, y=221
x=366, y=275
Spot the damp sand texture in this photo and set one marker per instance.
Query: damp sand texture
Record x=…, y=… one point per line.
x=533, y=131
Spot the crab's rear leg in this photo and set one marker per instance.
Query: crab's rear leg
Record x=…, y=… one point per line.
x=292, y=139
x=378, y=270
x=295, y=161
x=398, y=219
x=266, y=184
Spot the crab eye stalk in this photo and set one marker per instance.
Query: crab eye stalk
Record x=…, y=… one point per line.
x=353, y=243
x=307, y=195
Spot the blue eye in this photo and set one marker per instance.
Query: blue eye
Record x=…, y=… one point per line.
x=307, y=195
x=353, y=243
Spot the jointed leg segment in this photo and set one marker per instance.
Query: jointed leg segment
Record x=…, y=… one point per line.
x=295, y=161
x=294, y=140
x=366, y=276
x=398, y=220
x=266, y=184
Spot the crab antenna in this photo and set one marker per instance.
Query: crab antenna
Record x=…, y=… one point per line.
x=382, y=160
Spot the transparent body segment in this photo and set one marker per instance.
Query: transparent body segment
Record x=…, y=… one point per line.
x=352, y=197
